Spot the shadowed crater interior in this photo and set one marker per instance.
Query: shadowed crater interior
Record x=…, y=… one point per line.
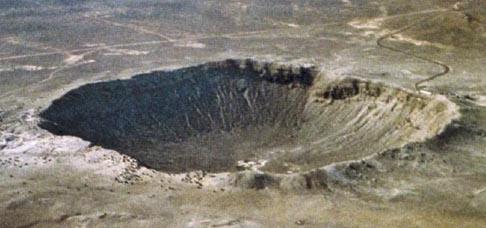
x=205, y=117
x=226, y=115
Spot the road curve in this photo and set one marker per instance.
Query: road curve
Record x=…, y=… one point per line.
x=446, y=68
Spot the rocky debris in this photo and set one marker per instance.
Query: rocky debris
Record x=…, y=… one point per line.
x=350, y=87
x=254, y=180
x=357, y=170
x=79, y=219
x=194, y=178
x=300, y=222
x=227, y=223
x=342, y=90
x=16, y=161
x=130, y=174
x=222, y=222
x=250, y=165
x=2, y=115
x=458, y=6
x=414, y=155
x=295, y=75
x=20, y=150
x=316, y=179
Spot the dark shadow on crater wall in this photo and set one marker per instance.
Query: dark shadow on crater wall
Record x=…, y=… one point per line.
x=205, y=117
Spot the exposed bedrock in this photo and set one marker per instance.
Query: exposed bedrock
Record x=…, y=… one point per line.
x=244, y=114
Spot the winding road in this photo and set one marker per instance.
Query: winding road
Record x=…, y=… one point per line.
x=445, y=68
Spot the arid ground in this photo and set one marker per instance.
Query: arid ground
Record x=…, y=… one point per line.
x=243, y=113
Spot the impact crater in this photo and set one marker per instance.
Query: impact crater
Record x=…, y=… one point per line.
x=220, y=115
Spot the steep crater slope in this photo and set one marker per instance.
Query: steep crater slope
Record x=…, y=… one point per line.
x=214, y=116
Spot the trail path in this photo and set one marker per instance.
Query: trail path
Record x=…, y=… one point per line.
x=445, y=68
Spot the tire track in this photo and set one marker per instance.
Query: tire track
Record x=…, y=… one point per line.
x=445, y=68
x=235, y=35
